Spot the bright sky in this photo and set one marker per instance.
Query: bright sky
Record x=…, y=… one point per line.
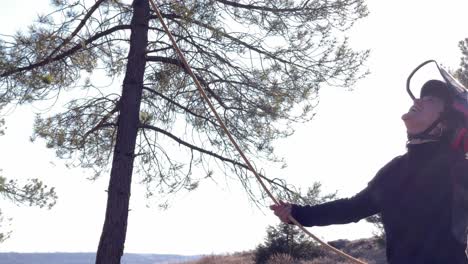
x=354, y=134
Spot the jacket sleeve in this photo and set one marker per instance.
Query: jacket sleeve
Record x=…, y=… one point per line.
x=340, y=211
x=460, y=201
x=343, y=211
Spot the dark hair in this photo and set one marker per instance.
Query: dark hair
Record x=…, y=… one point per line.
x=453, y=121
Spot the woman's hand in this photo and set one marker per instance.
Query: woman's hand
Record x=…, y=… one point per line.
x=282, y=210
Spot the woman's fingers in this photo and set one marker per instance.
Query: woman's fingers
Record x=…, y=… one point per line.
x=282, y=210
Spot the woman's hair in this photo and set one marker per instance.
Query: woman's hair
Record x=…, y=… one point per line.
x=453, y=122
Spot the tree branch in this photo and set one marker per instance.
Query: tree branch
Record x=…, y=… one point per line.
x=210, y=153
x=100, y=125
x=236, y=40
x=77, y=29
x=67, y=53
x=179, y=105
x=265, y=8
x=182, y=66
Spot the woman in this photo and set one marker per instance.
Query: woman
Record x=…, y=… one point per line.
x=421, y=195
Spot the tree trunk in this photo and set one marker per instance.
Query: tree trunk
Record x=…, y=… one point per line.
x=111, y=244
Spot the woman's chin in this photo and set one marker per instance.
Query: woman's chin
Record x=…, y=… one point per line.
x=410, y=121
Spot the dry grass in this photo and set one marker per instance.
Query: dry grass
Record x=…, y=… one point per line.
x=236, y=258
x=367, y=250
x=282, y=259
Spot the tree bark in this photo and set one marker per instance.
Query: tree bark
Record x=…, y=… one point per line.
x=111, y=244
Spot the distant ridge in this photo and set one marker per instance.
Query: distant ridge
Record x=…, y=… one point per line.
x=88, y=258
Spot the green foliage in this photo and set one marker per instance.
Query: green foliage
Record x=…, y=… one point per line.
x=4, y=231
x=462, y=72
x=286, y=239
x=290, y=240
x=87, y=128
x=313, y=195
x=261, y=62
x=33, y=193
x=47, y=79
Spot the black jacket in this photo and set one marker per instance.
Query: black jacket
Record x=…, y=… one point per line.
x=423, y=199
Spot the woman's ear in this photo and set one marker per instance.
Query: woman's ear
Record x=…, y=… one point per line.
x=439, y=130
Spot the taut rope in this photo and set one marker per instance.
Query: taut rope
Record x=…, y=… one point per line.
x=233, y=141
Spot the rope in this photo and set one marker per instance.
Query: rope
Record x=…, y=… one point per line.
x=233, y=141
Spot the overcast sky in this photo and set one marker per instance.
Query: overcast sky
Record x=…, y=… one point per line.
x=353, y=135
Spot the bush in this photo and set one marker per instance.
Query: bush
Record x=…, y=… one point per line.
x=286, y=239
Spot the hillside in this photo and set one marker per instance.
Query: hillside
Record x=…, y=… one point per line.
x=368, y=250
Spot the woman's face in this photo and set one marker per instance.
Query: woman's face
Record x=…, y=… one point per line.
x=422, y=114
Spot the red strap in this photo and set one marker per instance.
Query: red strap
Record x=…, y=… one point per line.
x=461, y=140
x=465, y=139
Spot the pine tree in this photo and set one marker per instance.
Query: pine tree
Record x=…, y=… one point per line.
x=261, y=62
x=462, y=72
